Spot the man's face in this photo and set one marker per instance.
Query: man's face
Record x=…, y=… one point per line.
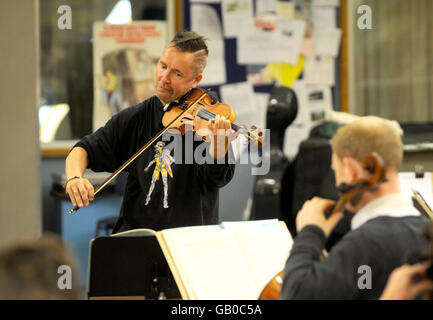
x=175, y=75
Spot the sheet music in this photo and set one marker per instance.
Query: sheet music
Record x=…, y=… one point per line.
x=265, y=246
x=211, y=263
x=423, y=185
x=232, y=261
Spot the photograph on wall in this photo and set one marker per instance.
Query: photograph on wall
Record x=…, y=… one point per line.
x=124, y=65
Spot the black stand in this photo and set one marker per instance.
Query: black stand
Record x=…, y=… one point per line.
x=132, y=267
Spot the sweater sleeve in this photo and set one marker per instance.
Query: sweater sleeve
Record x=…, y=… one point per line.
x=104, y=148
x=216, y=174
x=308, y=277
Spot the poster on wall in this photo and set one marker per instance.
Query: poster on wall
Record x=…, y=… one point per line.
x=124, y=65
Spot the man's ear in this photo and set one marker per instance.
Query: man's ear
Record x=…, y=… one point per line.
x=353, y=168
x=197, y=80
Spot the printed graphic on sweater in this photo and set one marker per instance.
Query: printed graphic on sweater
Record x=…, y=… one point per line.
x=162, y=161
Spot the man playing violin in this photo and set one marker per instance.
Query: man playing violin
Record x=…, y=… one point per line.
x=385, y=230
x=193, y=190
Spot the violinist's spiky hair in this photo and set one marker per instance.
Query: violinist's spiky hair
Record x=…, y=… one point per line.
x=188, y=41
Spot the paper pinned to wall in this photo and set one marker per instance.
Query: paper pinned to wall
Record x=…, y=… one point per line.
x=314, y=102
x=285, y=73
x=266, y=5
x=319, y=69
x=324, y=17
x=280, y=45
x=286, y=9
x=256, y=48
x=319, y=102
x=204, y=20
x=240, y=96
x=205, y=1
x=290, y=33
x=327, y=41
x=237, y=16
x=332, y=3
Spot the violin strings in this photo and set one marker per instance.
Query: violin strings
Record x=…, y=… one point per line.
x=206, y=114
x=209, y=115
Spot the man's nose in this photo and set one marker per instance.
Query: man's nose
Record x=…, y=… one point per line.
x=165, y=76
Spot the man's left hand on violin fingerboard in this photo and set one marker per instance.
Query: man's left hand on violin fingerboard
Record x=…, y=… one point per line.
x=222, y=135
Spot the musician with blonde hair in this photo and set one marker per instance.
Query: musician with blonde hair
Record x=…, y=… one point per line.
x=385, y=229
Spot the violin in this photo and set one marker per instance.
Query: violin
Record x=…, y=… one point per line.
x=196, y=106
x=352, y=193
x=204, y=111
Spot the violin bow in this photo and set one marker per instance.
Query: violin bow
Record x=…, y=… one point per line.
x=143, y=148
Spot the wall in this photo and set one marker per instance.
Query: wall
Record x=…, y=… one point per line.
x=19, y=91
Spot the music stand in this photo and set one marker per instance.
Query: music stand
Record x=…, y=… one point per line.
x=132, y=267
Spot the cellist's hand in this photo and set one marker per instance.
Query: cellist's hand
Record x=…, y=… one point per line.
x=80, y=191
x=406, y=282
x=222, y=135
x=313, y=213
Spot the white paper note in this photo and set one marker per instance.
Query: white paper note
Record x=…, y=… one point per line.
x=205, y=21
x=205, y=1
x=324, y=17
x=327, y=41
x=408, y=181
x=266, y=5
x=256, y=48
x=290, y=34
x=333, y=3
x=319, y=102
x=319, y=69
x=240, y=96
x=237, y=16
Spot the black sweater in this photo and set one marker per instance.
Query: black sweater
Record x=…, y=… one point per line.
x=382, y=244
x=193, y=190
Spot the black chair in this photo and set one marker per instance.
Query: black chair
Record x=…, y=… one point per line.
x=310, y=175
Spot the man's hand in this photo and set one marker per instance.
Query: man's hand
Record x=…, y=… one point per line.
x=313, y=213
x=401, y=284
x=80, y=191
x=222, y=134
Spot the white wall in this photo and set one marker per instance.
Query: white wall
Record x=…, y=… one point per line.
x=19, y=94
